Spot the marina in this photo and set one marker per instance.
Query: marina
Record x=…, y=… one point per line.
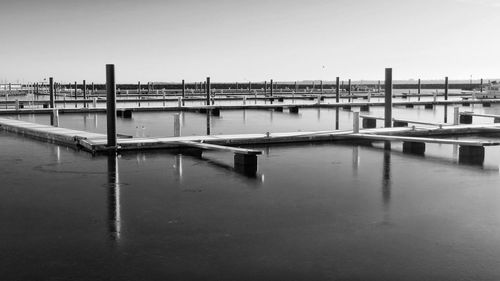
x=319, y=140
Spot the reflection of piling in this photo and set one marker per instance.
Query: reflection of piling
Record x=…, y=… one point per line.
x=114, y=208
x=336, y=118
x=388, y=98
x=386, y=177
x=111, y=104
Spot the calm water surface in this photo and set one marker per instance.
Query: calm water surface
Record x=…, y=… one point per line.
x=313, y=212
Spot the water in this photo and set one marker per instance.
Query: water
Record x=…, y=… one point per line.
x=325, y=211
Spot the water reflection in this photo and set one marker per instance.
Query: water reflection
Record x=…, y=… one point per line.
x=114, y=208
x=386, y=174
x=355, y=160
x=208, y=122
x=336, y=118
x=178, y=167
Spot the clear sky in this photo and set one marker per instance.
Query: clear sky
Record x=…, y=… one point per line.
x=232, y=40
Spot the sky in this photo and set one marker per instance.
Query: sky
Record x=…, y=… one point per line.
x=233, y=40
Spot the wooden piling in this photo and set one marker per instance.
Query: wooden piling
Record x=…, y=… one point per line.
x=456, y=115
x=388, y=98
x=481, y=86
x=271, y=90
x=446, y=88
x=51, y=92
x=177, y=125
x=349, y=90
x=76, y=90
x=337, y=89
x=208, y=90
x=419, y=87
x=111, y=105
x=84, y=94
x=355, y=122
x=183, y=91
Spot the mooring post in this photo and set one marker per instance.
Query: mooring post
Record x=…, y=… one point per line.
x=481, y=86
x=93, y=89
x=208, y=91
x=388, y=98
x=471, y=155
x=76, y=90
x=446, y=98
x=446, y=88
x=378, y=89
x=111, y=105
x=84, y=94
x=183, y=89
x=177, y=125
x=321, y=86
x=271, y=90
x=349, y=90
x=249, y=87
x=456, y=115
x=337, y=90
x=265, y=88
x=51, y=92
x=418, y=89
x=355, y=122
x=296, y=87
x=54, y=120
x=163, y=93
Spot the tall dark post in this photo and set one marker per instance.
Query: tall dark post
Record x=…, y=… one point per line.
x=208, y=90
x=249, y=86
x=388, y=98
x=481, y=86
x=51, y=92
x=93, y=88
x=265, y=88
x=349, y=90
x=84, y=94
x=419, y=87
x=321, y=86
x=139, y=89
x=183, y=90
x=271, y=87
x=337, y=89
x=446, y=88
x=445, y=98
x=76, y=89
x=111, y=104
x=378, y=90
